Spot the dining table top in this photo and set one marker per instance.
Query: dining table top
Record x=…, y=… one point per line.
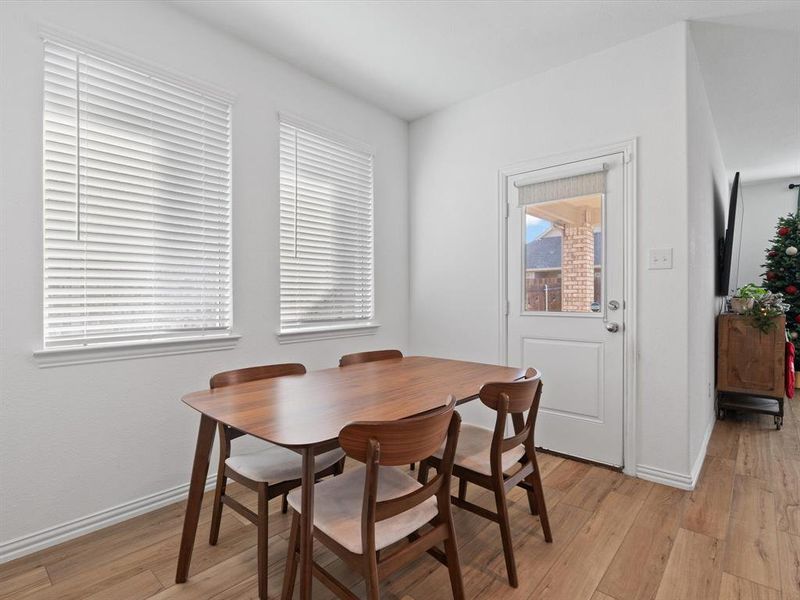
x=298, y=411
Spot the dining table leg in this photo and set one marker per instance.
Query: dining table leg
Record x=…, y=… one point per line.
x=306, y=523
x=202, y=453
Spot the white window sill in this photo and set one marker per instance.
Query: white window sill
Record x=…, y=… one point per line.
x=310, y=334
x=78, y=355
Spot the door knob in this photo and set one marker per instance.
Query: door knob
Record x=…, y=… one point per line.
x=612, y=327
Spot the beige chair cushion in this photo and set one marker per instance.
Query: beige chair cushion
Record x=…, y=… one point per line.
x=474, y=448
x=275, y=464
x=338, y=502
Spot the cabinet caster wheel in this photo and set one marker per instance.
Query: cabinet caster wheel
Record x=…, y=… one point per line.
x=778, y=423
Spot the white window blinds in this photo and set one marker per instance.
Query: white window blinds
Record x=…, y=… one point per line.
x=326, y=230
x=137, y=211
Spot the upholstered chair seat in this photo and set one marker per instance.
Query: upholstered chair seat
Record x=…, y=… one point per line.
x=275, y=464
x=338, y=504
x=474, y=450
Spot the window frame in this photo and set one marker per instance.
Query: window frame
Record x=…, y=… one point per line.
x=350, y=328
x=136, y=346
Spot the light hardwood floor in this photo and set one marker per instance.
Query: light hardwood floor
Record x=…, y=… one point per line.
x=737, y=536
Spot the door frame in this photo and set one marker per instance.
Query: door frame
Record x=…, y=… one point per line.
x=629, y=359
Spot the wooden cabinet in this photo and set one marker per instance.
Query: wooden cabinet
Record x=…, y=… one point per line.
x=750, y=366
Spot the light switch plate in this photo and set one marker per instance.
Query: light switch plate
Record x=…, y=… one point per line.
x=660, y=258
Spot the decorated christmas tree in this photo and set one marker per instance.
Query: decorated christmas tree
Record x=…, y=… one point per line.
x=782, y=273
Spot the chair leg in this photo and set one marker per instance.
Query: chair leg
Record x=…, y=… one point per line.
x=413, y=466
x=371, y=577
x=422, y=475
x=505, y=534
x=451, y=552
x=338, y=468
x=216, y=515
x=290, y=574
x=263, y=536
x=535, y=480
x=285, y=503
x=462, y=488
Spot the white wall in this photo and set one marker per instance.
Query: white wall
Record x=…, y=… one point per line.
x=635, y=90
x=762, y=203
x=751, y=82
x=81, y=439
x=707, y=198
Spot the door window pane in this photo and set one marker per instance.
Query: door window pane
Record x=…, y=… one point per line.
x=563, y=262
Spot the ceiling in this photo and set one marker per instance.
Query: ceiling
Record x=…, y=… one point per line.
x=415, y=57
x=752, y=79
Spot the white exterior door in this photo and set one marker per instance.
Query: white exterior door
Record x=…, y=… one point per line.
x=565, y=301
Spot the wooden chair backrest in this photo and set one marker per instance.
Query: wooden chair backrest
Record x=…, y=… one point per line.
x=521, y=394
x=363, y=357
x=255, y=373
x=401, y=442
x=513, y=398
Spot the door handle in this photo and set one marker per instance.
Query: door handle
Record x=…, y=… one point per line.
x=612, y=327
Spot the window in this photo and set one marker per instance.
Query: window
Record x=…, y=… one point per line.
x=137, y=208
x=325, y=230
x=564, y=242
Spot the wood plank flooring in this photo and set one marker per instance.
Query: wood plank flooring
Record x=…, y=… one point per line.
x=736, y=536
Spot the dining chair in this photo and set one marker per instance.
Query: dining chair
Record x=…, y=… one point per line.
x=370, y=356
x=496, y=463
x=270, y=472
x=363, y=512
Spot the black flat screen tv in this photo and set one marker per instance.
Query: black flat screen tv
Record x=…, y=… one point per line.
x=728, y=256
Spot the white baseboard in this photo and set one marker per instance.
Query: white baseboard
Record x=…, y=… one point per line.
x=701, y=455
x=51, y=536
x=671, y=478
x=674, y=479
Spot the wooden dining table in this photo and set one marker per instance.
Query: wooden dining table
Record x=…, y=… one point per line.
x=306, y=413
